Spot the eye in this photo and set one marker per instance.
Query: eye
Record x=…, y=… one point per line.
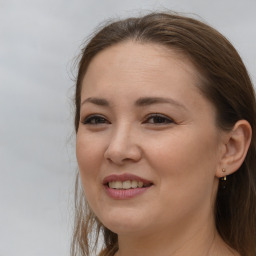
x=95, y=120
x=158, y=119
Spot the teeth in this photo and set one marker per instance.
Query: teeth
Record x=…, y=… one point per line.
x=134, y=184
x=128, y=184
x=116, y=184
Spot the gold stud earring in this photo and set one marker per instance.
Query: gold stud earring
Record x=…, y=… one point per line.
x=225, y=177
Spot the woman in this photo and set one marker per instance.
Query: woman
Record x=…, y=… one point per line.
x=165, y=123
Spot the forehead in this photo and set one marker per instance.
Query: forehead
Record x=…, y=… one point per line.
x=138, y=63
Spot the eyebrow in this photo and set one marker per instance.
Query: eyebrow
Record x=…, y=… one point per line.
x=96, y=101
x=143, y=101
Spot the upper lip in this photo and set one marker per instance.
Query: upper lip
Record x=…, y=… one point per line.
x=124, y=177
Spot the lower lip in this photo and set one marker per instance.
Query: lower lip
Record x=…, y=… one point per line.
x=125, y=193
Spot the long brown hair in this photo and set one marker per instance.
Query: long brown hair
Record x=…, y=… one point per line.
x=224, y=81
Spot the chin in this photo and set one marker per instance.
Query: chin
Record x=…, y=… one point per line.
x=125, y=221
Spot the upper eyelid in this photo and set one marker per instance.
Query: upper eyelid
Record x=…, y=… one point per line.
x=91, y=116
x=159, y=115
x=95, y=115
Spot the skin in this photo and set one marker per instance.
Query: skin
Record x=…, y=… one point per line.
x=181, y=152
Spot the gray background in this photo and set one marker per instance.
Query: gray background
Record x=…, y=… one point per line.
x=38, y=41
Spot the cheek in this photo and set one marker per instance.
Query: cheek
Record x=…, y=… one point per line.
x=89, y=152
x=89, y=157
x=186, y=163
x=188, y=152
x=186, y=170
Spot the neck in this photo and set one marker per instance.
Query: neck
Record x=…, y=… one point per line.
x=201, y=241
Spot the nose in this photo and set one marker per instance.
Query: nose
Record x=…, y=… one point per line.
x=122, y=147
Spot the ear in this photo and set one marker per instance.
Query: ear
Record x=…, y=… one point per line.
x=237, y=142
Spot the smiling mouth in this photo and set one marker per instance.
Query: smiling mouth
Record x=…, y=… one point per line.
x=127, y=184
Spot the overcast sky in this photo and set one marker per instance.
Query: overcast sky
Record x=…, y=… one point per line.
x=38, y=42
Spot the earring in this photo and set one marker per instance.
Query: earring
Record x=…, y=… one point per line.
x=225, y=177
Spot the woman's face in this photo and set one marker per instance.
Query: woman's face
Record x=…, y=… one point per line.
x=145, y=123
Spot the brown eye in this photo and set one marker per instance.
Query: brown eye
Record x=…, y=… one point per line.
x=158, y=119
x=95, y=120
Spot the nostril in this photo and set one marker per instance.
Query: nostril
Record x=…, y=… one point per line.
x=122, y=153
x=114, y=156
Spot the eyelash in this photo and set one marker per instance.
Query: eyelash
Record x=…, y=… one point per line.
x=95, y=120
x=158, y=119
